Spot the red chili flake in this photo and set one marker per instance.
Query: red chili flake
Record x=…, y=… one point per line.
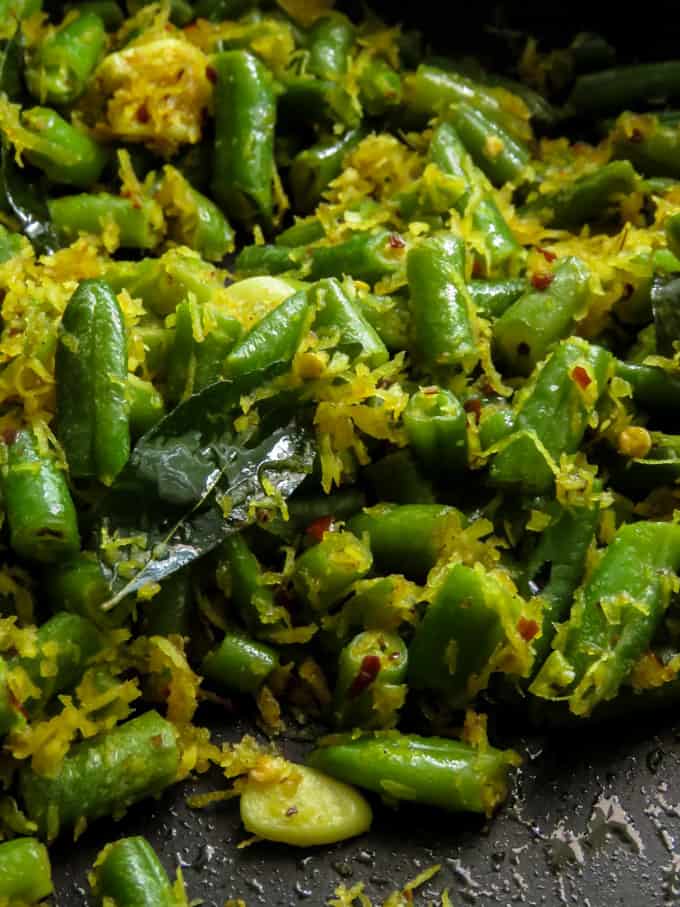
x=478, y=268
x=636, y=136
x=142, y=115
x=292, y=811
x=527, y=628
x=9, y=435
x=18, y=705
x=547, y=254
x=430, y=391
x=581, y=377
x=473, y=405
x=541, y=281
x=369, y=670
x=396, y=242
x=319, y=527
x=211, y=74
x=157, y=740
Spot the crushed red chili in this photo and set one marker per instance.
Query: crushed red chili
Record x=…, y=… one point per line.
x=369, y=670
x=580, y=375
x=527, y=628
x=541, y=281
x=320, y=527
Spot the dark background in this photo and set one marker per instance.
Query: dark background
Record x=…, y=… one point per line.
x=613, y=791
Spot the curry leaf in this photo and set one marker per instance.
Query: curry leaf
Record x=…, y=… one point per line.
x=193, y=480
x=26, y=203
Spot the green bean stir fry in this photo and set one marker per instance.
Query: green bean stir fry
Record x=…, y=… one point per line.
x=338, y=380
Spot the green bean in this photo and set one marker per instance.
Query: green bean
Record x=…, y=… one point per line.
x=271, y=344
x=194, y=220
x=41, y=515
x=474, y=626
x=370, y=688
x=240, y=663
x=651, y=147
x=60, y=67
x=337, y=314
x=552, y=416
x=93, y=419
x=390, y=317
x=314, y=168
x=442, y=311
x=25, y=872
x=129, y=874
x=624, y=87
x=493, y=297
x=446, y=773
x=448, y=153
x=135, y=224
x=65, y=154
x=398, y=478
x=245, y=114
x=380, y=88
x=146, y=404
x=323, y=575
x=240, y=570
x=533, y=324
x=652, y=387
x=613, y=617
x=169, y=612
x=586, y=199
x=103, y=776
x=364, y=256
x=407, y=538
x=11, y=244
x=495, y=151
x=436, y=426
x=264, y=259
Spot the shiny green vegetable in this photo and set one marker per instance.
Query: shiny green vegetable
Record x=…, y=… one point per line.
x=93, y=415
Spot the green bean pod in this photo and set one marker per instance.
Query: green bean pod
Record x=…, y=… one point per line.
x=475, y=626
x=59, y=69
x=11, y=244
x=527, y=330
x=442, y=311
x=495, y=151
x=93, y=421
x=613, y=617
x=448, y=153
x=146, y=405
x=557, y=565
x=265, y=259
x=43, y=524
x=269, y=347
x=653, y=149
x=399, y=478
x=552, y=416
x=137, y=225
x=407, y=538
x=192, y=362
x=436, y=426
x=241, y=572
x=240, y=663
x=129, y=874
x=337, y=314
x=65, y=154
x=245, y=114
x=65, y=645
x=324, y=573
x=169, y=612
x=25, y=872
x=390, y=317
x=624, y=87
x=193, y=219
x=370, y=689
x=494, y=297
x=78, y=585
x=380, y=88
x=652, y=387
x=103, y=776
x=586, y=199
x=435, y=771
x=314, y=168
x=364, y=256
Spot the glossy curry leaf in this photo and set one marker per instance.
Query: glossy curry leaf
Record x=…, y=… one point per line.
x=192, y=480
x=26, y=203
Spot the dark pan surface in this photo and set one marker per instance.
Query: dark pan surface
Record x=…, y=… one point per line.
x=595, y=818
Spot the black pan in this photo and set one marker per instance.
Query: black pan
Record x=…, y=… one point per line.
x=595, y=816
